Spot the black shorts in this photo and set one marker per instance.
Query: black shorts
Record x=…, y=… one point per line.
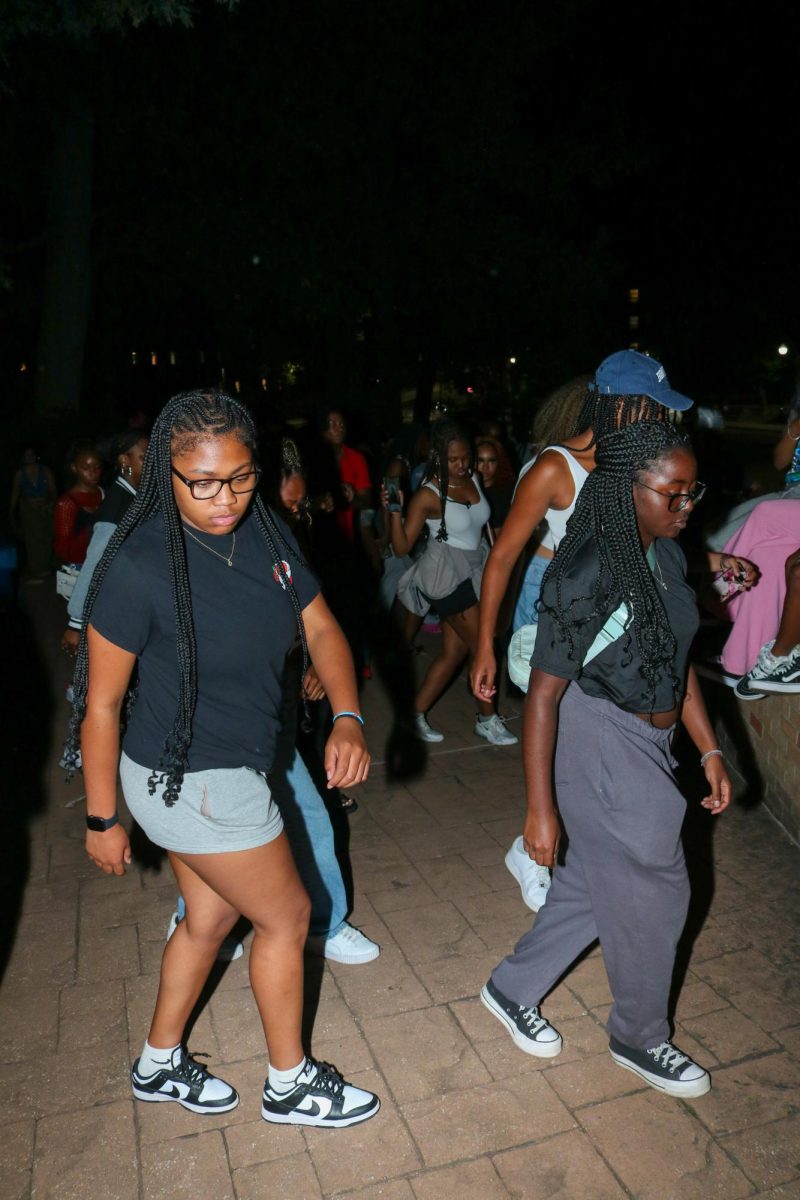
x=457, y=602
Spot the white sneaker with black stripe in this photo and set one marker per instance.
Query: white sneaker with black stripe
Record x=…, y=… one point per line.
x=321, y=1097
x=188, y=1083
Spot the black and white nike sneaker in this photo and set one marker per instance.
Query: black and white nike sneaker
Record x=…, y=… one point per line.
x=188, y=1083
x=320, y=1097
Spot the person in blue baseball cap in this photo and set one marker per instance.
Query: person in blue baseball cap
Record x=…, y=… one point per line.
x=627, y=387
x=630, y=373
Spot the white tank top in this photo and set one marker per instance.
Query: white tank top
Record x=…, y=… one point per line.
x=556, y=518
x=465, y=522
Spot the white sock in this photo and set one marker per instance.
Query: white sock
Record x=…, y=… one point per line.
x=283, y=1082
x=485, y=720
x=153, y=1058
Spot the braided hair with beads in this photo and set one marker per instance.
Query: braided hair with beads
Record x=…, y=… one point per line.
x=437, y=468
x=605, y=514
x=186, y=420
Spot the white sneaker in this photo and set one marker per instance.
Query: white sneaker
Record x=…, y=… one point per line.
x=424, y=731
x=534, y=881
x=494, y=730
x=229, y=951
x=186, y=1081
x=349, y=945
x=320, y=1097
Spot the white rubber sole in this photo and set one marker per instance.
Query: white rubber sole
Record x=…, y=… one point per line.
x=202, y=1109
x=536, y=1049
x=299, y=1118
x=683, y=1091
x=317, y=948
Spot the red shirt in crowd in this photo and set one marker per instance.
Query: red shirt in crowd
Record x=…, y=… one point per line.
x=72, y=526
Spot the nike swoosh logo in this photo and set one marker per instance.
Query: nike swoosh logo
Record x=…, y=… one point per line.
x=309, y=1106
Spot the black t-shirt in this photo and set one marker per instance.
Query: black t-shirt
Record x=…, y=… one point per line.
x=244, y=624
x=610, y=676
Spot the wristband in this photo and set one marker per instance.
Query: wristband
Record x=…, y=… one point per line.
x=710, y=754
x=101, y=824
x=356, y=716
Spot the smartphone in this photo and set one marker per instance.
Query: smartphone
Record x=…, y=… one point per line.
x=393, y=494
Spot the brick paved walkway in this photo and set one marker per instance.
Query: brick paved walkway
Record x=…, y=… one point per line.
x=464, y=1113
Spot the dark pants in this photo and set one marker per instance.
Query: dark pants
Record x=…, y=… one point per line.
x=624, y=880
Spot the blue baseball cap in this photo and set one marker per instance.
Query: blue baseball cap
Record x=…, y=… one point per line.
x=629, y=373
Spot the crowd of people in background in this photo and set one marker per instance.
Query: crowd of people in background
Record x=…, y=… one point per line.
x=564, y=546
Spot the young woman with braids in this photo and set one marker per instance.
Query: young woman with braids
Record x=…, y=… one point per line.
x=610, y=680
x=226, y=594
x=627, y=387
x=447, y=576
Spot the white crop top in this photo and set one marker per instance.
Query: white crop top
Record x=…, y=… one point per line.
x=465, y=522
x=557, y=518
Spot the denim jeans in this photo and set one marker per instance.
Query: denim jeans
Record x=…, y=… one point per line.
x=310, y=833
x=525, y=612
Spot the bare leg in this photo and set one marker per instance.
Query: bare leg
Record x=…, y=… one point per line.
x=412, y=623
x=789, y=628
x=442, y=669
x=465, y=626
x=263, y=885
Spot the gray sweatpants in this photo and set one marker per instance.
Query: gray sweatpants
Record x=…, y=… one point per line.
x=624, y=879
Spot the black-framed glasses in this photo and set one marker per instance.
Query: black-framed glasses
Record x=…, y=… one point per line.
x=677, y=501
x=207, y=489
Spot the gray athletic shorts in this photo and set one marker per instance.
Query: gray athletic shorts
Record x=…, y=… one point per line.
x=216, y=811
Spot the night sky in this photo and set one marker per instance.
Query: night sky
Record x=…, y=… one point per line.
x=387, y=194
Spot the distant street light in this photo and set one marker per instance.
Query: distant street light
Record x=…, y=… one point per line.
x=783, y=349
x=512, y=360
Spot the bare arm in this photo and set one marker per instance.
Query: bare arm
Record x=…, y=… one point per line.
x=698, y=726
x=423, y=505
x=784, y=449
x=542, y=829
x=548, y=483
x=110, y=670
x=346, y=756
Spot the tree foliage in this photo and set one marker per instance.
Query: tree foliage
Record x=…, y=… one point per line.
x=86, y=18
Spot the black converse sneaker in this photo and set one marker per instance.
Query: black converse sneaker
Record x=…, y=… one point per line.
x=186, y=1081
x=664, y=1067
x=320, y=1097
x=528, y=1028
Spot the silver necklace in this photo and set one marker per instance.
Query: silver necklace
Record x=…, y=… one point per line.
x=216, y=553
x=658, y=569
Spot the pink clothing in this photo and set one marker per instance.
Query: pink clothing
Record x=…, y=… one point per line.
x=769, y=535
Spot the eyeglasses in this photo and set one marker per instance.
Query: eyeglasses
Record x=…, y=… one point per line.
x=677, y=501
x=207, y=489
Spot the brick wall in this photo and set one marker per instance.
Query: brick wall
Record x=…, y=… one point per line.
x=762, y=739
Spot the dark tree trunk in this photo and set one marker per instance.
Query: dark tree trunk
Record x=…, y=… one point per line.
x=65, y=306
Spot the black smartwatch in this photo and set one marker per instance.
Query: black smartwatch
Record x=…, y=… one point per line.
x=101, y=824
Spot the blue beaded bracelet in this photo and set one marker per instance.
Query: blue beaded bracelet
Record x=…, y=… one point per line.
x=357, y=716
